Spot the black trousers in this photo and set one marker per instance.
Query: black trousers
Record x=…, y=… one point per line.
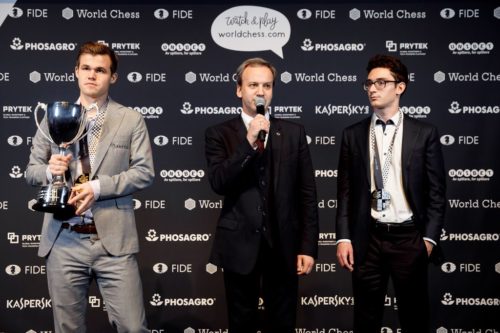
x=278, y=287
x=398, y=253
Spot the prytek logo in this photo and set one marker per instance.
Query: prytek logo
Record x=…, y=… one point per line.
x=152, y=236
x=344, y=110
x=386, y=14
x=470, y=301
x=455, y=108
x=188, y=176
x=307, y=45
x=17, y=111
x=327, y=238
x=286, y=112
x=471, y=48
x=123, y=49
x=406, y=48
x=470, y=175
x=469, y=237
x=335, y=301
x=157, y=300
x=26, y=240
x=18, y=45
x=183, y=49
x=187, y=108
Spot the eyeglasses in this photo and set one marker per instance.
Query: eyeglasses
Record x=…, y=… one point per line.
x=379, y=84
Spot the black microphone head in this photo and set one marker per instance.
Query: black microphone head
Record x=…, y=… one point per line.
x=260, y=103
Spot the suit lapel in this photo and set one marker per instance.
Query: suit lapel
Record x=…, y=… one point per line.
x=275, y=141
x=112, y=121
x=410, y=138
x=363, y=142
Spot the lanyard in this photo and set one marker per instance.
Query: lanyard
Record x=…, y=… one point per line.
x=381, y=175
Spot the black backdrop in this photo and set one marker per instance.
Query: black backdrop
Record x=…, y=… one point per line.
x=176, y=68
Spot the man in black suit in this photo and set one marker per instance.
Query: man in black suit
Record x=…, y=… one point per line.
x=267, y=233
x=391, y=203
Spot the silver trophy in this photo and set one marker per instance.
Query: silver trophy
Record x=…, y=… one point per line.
x=66, y=124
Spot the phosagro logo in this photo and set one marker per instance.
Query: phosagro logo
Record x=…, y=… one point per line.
x=152, y=236
x=157, y=300
x=455, y=108
x=307, y=45
x=18, y=45
x=16, y=172
x=187, y=108
x=469, y=237
x=469, y=301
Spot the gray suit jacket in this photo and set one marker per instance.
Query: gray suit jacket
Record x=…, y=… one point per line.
x=123, y=165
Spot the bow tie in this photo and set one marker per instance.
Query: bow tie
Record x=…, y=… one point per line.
x=381, y=122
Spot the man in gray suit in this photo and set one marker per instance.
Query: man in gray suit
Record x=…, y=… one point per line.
x=100, y=241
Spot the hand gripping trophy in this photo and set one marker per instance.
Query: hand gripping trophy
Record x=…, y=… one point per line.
x=66, y=125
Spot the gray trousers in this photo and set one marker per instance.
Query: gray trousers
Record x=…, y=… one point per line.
x=72, y=263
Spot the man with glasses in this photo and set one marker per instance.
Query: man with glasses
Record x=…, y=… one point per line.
x=391, y=203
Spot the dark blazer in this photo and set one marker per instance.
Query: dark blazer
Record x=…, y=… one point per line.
x=230, y=158
x=424, y=182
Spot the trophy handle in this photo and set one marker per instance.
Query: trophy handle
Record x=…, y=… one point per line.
x=42, y=106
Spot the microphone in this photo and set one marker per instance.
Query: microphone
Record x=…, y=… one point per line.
x=260, y=103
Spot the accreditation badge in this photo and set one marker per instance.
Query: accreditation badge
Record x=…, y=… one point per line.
x=381, y=200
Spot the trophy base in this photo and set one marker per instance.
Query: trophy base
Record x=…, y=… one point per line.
x=54, y=199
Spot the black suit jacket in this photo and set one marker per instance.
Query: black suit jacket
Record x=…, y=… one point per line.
x=424, y=182
x=230, y=158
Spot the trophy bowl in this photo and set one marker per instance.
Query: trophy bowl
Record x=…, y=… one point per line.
x=66, y=125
